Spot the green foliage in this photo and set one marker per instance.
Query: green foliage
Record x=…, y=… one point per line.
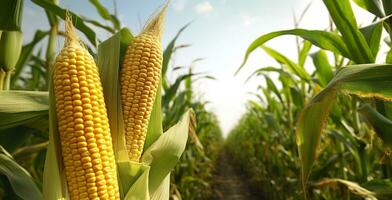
x=332, y=137
x=192, y=176
x=11, y=12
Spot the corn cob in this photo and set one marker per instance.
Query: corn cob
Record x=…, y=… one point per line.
x=86, y=143
x=140, y=76
x=10, y=49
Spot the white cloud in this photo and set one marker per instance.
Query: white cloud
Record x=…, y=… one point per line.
x=204, y=7
x=247, y=20
x=179, y=5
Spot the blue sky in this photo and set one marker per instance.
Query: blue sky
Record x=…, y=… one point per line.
x=220, y=32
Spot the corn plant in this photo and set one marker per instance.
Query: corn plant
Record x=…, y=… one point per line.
x=347, y=100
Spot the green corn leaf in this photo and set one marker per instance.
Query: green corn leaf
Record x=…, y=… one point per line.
x=104, y=13
x=271, y=86
x=76, y=20
x=21, y=181
x=381, y=124
x=366, y=81
x=52, y=18
x=344, y=19
x=11, y=12
x=296, y=96
x=373, y=6
x=328, y=165
x=173, y=89
x=35, y=105
x=382, y=188
x=309, y=127
x=372, y=34
x=298, y=70
x=264, y=69
x=387, y=7
x=303, y=54
x=99, y=24
x=286, y=79
x=323, y=68
x=167, y=54
x=11, y=101
x=361, y=80
x=169, y=50
x=323, y=39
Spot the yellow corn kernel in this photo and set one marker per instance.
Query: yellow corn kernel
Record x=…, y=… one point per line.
x=89, y=165
x=140, y=76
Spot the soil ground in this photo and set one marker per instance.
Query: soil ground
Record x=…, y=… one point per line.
x=230, y=183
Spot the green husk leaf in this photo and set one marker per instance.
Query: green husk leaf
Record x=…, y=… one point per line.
x=134, y=180
x=10, y=48
x=165, y=152
x=54, y=183
x=109, y=54
x=155, y=128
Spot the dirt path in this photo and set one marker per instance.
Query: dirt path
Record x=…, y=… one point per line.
x=230, y=183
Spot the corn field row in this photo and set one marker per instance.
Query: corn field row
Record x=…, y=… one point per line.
x=322, y=133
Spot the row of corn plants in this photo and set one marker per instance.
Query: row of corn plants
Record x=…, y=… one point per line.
x=193, y=175
x=323, y=132
x=98, y=118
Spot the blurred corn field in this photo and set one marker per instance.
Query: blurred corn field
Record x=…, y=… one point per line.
x=320, y=130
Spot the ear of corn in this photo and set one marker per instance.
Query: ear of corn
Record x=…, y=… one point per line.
x=10, y=48
x=140, y=76
x=86, y=143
